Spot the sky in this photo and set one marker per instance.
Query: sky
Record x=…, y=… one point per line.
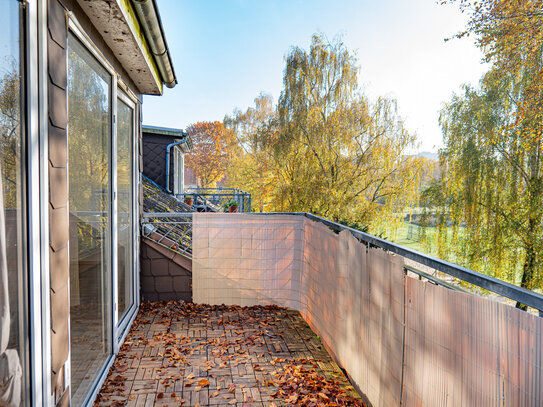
x=226, y=52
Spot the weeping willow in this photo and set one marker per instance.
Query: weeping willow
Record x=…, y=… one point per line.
x=488, y=202
x=491, y=190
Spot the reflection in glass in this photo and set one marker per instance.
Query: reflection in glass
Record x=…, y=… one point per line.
x=89, y=137
x=12, y=278
x=124, y=207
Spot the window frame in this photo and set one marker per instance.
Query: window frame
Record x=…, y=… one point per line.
x=178, y=170
x=29, y=334
x=122, y=324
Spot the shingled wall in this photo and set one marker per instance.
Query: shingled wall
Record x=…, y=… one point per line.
x=58, y=200
x=165, y=275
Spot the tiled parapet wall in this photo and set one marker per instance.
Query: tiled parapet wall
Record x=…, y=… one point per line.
x=401, y=340
x=247, y=260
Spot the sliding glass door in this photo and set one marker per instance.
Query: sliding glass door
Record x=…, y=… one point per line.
x=101, y=138
x=14, y=389
x=89, y=162
x=125, y=203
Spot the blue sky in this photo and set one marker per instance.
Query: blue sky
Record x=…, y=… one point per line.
x=226, y=52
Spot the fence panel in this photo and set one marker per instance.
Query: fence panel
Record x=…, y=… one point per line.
x=354, y=302
x=465, y=350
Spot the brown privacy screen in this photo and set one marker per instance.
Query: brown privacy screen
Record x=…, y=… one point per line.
x=401, y=340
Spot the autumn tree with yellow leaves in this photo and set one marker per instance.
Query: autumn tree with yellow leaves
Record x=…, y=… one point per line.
x=325, y=148
x=252, y=162
x=492, y=184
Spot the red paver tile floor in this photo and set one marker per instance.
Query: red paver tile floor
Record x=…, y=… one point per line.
x=183, y=354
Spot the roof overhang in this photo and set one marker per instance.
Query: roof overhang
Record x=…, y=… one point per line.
x=118, y=25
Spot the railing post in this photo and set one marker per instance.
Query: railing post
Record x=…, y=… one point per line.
x=404, y=333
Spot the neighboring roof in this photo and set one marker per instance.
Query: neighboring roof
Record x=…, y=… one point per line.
x=156, y=199
x=163, y=131
x=129, y=37
x=170, y=132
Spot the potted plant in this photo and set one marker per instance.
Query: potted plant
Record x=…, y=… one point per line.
x=232, y=205
x=189, y=200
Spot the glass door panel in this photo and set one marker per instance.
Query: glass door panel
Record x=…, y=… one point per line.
x=125, y=249
x=13, y=333
x=89, y=157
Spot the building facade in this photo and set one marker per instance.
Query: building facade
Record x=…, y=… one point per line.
x=73, y=73
x=164, y=156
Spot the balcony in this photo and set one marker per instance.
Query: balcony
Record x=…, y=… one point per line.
x=406, y=328
x=186, y=354
x=219, y=199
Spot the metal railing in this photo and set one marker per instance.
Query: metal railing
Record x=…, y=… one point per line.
x=169, y=229
x=217, y=199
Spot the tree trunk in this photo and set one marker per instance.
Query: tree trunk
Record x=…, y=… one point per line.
x=529, y=266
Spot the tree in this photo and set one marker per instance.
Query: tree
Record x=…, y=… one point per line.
x=326, y=148
x=252, y=161
x=493, y=178
x=210, y=156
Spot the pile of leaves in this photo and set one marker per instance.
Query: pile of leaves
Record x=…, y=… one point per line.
x=301, y=385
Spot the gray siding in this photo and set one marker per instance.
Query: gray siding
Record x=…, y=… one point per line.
x=154, y=158
x=165, y=275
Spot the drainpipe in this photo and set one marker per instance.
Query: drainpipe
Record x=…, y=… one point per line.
x=168, y=147
x=149, y=19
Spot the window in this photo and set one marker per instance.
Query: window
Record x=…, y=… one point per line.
x=13, y=332
x=89, y=159
x=178, y=169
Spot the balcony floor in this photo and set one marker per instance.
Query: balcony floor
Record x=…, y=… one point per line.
x=182, y=354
